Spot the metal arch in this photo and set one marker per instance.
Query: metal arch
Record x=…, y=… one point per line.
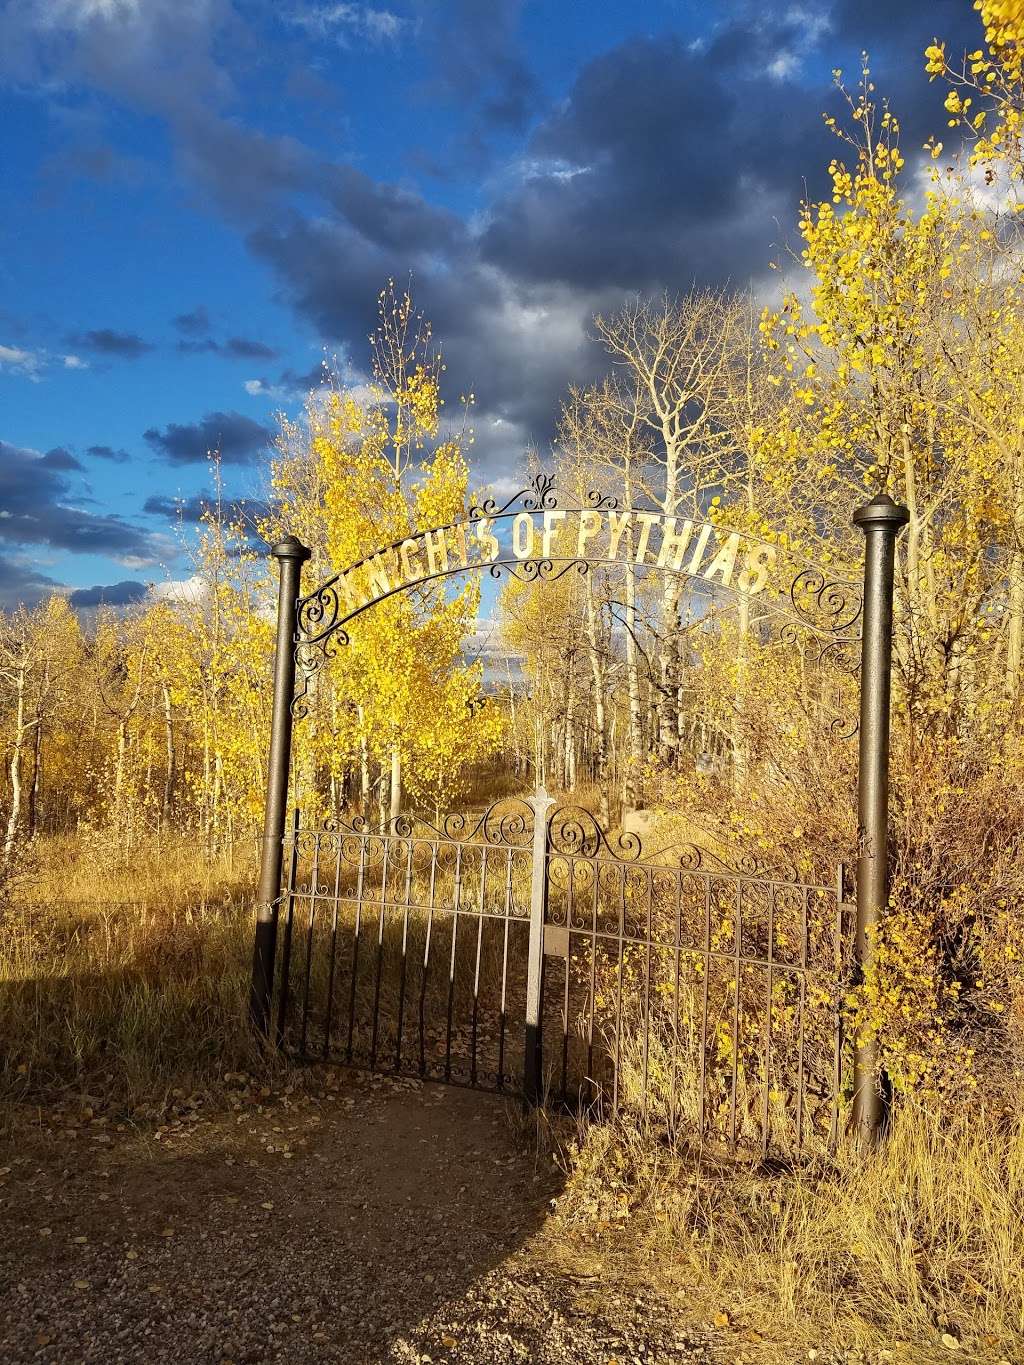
x=826, y=608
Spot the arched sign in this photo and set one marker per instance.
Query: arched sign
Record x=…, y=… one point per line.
x=537, y=535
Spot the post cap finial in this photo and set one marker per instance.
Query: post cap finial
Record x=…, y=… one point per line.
x=291, y=547
x=881, y=511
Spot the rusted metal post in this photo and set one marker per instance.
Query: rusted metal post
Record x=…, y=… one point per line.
x=291, y=554
x=881, y=520
x=533, y=1068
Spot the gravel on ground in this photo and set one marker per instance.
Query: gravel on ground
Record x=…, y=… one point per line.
x=380, y=1222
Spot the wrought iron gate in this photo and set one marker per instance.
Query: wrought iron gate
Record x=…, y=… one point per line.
x=528, y=952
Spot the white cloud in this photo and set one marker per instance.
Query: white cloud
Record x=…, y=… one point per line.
x=28, y=363
x=259, y=388
x=33, y=364
x=785, y=65
x=76, y=13
x=190, y=590
x=344, y=22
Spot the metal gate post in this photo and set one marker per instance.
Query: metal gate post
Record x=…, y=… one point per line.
x=291, y=554
x=881, y=520
x=533, y=1074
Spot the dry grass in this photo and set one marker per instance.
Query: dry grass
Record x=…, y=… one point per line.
x=889, y=1250
x=125, y=980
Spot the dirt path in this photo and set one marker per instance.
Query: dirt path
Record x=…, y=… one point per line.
x=383, y=1224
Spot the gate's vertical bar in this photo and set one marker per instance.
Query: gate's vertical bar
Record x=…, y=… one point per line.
x=533, y=1081
x=291, y=554
x=881, y=520
x=286, y=955
x=840, y=966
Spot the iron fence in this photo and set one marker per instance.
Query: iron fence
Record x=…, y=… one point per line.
x=528, y=952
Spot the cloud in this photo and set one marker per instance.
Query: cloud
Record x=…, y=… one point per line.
x=108, y=453
x=662, y=164
x=235, y=348
x=196, y=323
x=22, y=583
x=244, y=349
x=192, y=510
x=479, y=64
x=59, y=458
x=237, y=438
x=122, y=594
x=188, y=590
x=19, y=361
x=37, y=508
x=290, y=384
x=348, y=23
x=105, y=341
x=262, y=388
x=33, y=363
x=195, y=347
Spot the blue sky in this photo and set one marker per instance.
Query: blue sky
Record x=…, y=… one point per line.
x=202, y=197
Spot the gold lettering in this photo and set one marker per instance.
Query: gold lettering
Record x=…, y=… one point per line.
x=436, y=545
x=673, y=543
x=459, y=531
x=618, y=524
x=348, y=591
x=550, y=520
x=698, y=554
x=487, y=540
x=590, y=526
x=759, y=563
x=646, y=520
x=406, y=551
x=522, y=535
x=377, y=581
x=725, y=561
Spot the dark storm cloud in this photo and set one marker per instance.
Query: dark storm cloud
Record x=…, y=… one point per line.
x=34, y=497
x=59, y=458
x=663, y=167
x=241, y=348
x=235, y=348
x=105, y=341
x=108, y=453
x=478, y=60
x=191, y=510
x=393, y=218
x=237, y=438
x=22, y=584
x=109, y=595
x=662, y=164
x=904, y=29
x=194, y=324
x=302, y=383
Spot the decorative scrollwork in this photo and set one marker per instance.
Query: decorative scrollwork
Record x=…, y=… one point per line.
x=507, y=823
x=575, y=833
x=537, y=570
x=601, y=502
x=827, y=605
x=541, y=495
x=692, y=858
x=317, y=614
x=310, y=656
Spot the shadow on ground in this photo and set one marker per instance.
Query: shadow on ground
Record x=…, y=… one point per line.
x=327, y=1232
